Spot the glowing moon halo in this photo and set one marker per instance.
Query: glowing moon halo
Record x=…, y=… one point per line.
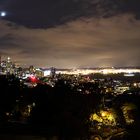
x=2, y=14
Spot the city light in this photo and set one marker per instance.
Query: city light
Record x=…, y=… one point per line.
x=33, y=79
x=127, y=72
x=105, y=117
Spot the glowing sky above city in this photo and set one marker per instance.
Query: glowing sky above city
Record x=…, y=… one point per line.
x=71, y=33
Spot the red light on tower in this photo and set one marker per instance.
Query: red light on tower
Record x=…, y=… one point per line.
x=33, y=79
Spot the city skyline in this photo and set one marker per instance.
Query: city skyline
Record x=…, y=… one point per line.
x=71, y=34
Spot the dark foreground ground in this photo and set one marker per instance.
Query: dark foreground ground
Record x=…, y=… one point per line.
x=22, y=137
x=63, y=112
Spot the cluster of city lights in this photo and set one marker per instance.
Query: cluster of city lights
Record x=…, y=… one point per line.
x=128, y=72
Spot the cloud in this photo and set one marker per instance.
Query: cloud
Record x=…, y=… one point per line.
x=48, y=13
x=84, y=42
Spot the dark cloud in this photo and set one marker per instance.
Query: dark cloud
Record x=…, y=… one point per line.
x=7, y=40
x=49, y=13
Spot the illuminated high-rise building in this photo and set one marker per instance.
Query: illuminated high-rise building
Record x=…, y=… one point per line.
x=8, y=59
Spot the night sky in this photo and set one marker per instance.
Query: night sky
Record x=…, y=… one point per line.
x=71, y=33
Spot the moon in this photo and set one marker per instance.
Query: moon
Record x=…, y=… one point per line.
x=2, y=14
